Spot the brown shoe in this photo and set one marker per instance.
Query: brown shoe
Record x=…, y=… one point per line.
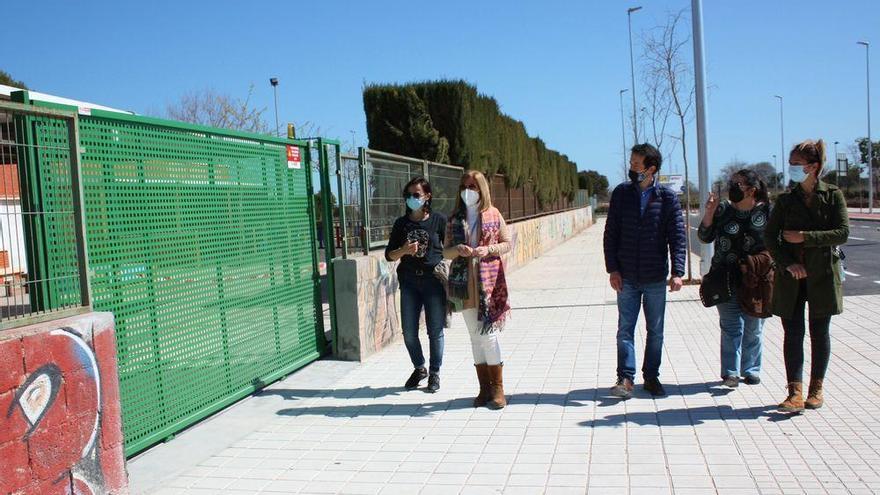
x=814, y=397
x=795, y=401
x=485, y=385
x=623, y=388
x=496, y=395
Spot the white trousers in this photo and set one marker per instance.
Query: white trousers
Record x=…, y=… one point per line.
x=486, y=348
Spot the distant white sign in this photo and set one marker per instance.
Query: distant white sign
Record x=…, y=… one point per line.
x=674, y=182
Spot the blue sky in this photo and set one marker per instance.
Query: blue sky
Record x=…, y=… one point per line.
x=555, y=65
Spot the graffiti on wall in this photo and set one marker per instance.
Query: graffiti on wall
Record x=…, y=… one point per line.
x=60, y=430
x=531, y=238
x=379, y=319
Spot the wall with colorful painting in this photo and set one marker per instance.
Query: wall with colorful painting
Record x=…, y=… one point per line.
x=60, y=418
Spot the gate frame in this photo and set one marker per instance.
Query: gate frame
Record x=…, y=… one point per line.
x=21, y=104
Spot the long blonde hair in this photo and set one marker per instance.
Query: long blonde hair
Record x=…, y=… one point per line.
x=482, y=184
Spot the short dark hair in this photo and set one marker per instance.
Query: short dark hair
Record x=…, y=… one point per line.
x=652, y=155
x=419, y=181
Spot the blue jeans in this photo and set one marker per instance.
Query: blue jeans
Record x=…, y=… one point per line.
x=417, y=292
x=740, y=341
x=629, y=300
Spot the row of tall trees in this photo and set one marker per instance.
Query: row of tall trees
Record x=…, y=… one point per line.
x=451, y=122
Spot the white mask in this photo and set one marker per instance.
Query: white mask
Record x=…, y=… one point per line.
x=470, y=197
x=796, y=173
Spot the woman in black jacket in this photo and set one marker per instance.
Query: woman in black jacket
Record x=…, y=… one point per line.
x=417, y=241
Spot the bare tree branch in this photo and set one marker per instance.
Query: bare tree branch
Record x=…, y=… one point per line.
x=671, y=88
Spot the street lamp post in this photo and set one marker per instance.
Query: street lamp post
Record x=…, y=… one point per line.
x=870, y=144
x=632, y=71
x=781, y=139
x=274, y=82
x=702, y=140
x=623, y=132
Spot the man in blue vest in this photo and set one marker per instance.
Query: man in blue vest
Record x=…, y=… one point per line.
x=644, y=229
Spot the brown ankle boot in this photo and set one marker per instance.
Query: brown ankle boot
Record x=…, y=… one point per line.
x=485, y=385
x=795, y=401
x=814, y=397
x=496, y=397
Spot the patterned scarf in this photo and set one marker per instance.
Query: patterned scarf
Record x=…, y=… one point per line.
x=493, y=305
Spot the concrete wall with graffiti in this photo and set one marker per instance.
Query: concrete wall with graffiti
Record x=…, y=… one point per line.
x=367, y=314
x=367, y=297
x=532, y=238
x=60, y=418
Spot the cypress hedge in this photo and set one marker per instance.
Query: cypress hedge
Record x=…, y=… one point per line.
x=450, y=122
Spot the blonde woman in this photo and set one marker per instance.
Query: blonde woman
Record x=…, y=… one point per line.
x=476, y=238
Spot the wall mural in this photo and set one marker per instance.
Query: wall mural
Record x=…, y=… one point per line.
x=60, y=426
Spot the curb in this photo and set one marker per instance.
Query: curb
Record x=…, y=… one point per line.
x=864, y=219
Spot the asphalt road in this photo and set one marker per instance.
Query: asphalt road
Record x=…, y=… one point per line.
x=862, y=259
x=862, y=256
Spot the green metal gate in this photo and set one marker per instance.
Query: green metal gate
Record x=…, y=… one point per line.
x=202, y=244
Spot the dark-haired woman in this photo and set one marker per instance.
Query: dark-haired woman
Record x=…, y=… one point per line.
x=417, y=240
x=737, y=229
x=805, y=229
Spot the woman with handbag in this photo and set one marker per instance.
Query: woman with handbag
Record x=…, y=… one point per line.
x=476, y=238
x=417, y=240
x=806, y=227
x=737, y=229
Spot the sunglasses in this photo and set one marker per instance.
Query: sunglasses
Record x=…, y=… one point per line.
x=472, y=187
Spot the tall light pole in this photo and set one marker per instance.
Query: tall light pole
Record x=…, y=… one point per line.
x=353, y=145
x=623, y=132
x=781, y=139
x=870, y=143
x=632, y=71
x=702, y=141
x=274, y=82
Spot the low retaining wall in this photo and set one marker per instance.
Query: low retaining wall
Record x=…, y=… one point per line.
x=367, y=307
x=60, y=417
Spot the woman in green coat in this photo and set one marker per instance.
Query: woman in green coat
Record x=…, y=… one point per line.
x=806, y=226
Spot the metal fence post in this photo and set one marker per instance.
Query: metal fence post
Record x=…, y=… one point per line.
x=329, y=241
x=341, y=188
x=79, y=214
x=316, y=286
x=365, y=205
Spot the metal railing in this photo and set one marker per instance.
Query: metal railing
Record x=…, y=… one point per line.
x=43, y=255
x=369, y=187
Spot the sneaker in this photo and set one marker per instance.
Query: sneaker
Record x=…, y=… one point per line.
x=654, y=387
x=417, y=376
x=433, y=383
x=730, y=381
x=752, y=379
x=623, y=388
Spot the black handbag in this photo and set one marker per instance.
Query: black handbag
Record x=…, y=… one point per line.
x=717, y=286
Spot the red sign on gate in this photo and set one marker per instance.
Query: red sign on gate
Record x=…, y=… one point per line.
x=293, y=158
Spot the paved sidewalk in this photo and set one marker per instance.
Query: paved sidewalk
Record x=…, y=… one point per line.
x=357, y=431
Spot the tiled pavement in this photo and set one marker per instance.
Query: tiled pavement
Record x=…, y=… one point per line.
x=348, y=428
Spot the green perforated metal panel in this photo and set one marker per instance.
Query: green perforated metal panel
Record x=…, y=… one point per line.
x=201, y=244
x=48, y=217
